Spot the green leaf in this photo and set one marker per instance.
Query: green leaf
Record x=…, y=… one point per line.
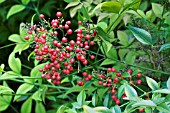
x=165, y=46
x=141, y=35
x=1, y=1
x=117, y=109
x=102, y=110
x=123, y=37
x=2, y=68
x=35, y=71
x=125, y=74
x=94, y=99
x=27, y=106
x=32, y=20
x=71, y=4
x=107, y=62
x=103, y=35
x=74, y=89
x=111, y=6
x=144, y=103
x=88, y=109
x=102, y=25
x=37, y=96
x=130, y=91
x=130, y=57
x=4, y=89
x=101, y=92
x=5, y=101
x=106, y=100
x=164, y=108
x=14, y=63
x=152, y=83
x=21, y=47
x=9, y=75
x=81, y=98
x=15, y=9
x=168, y=83
x=85, y=13
x=164, y=91
x=25, y=2
x=23, y=32
x=120, y=91
x=157, y=9
x=23, y=88
x=39, y=108
x=15, y=38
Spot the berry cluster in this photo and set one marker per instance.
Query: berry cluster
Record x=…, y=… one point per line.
x=113, y=79
x=53, y=46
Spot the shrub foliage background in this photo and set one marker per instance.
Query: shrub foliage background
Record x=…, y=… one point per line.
x=130, y=67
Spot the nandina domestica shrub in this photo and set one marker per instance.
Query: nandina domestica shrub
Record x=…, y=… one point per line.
x=102, y=62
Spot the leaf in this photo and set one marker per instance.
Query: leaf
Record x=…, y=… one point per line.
x=85, y=13
x=107, y=62
x=2, y=68
x=120, y=91
x=27, y=106
x=94, y=99
x=147, y=103
x=37, y=96
x=23, y=32
x=88, y=109
x=141, y=35
x=106, y=100
x=157, y=9
x=4, y=89
x=5, y=101
x=35, y=71
x=15, y=38
x=15, y=9
x=14, y=63
x=165, y=46
x=125, y=74
x=21, y=47
x=117, y=109
x=101, y=92
x=123, y=37
x=32, y=20
x=25, y=2
x=103, y=25
x=130, y=57
x=71, y=4
x=23, y=88
x=130, y=91
x=111, y=6
x=164, y=91
x=168, y=83
x=164, y=108
x=152, y=83
x=102, y=110
x=103, y=35
x=81, y=98
x=1, y=1
x=74, y=89
x=9, y=75
x=39, y=108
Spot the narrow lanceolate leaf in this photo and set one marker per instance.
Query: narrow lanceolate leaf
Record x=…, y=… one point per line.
x=39, y=108
x=15, y=38
x=15, y=9
x=71, y=4
x=25, y=2
x=111, y=6
x=141, y=35
x=164, y=47
x=130, y=91
x=102, y=33
x=164, y=91
x=14, y=63
x=168, y=83
x=87, y=109
x=152, y=83
x=102, y=110
x=24, y=88
x=27, y=106
x=163, y=108
x=144, y=103
x=4, y=89
x=81, y=98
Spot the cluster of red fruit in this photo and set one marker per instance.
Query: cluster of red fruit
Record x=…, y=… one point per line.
x=59, y=51
x=112, y=80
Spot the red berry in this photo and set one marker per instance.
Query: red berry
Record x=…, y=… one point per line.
x=91, y=42
x=92, y=57
x=40, y=70
x=138, y=82
x=87, y=37
x=114, y=97
x=66, y=26
x=80, y=83
x=109, y=80
x=104, y=84
x=58, y=14
x=41, y=16
x=140, y=110
x=129, y=71
x=100, y=82
x=69, y=31
x=113, y=70
x=117, y=102
x=79, y=31
x=118, y=74
x=72, y=43
x=84, y=74
x=113, y=91
x=139, y=75
x=109, y=69
x=79, y=22
x=89, y=76
x=72, y=60
x=116, y=80
x=64, y=39
x=26, y=37
x=68, y=22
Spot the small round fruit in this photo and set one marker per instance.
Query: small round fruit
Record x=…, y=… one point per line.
x=69, y=31
x=26, y=37
x=138, y=82
x=58, y=14
x=117, y=102
x=41, y=16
